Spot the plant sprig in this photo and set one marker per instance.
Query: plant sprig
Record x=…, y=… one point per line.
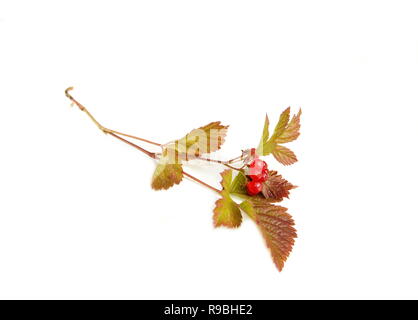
x=258, y=187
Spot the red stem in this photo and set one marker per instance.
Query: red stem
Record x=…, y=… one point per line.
x=201, y=182
x=153, y=156
x=148, y=153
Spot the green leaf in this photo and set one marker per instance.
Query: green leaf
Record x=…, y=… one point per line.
x=238, y=184
x=167, y=174
x=292, y=130
x=226, y=180
x=206, y=139
x=248, y=208
x=281, y=125
x=226, y=212
x=264, y=138
x=285, y=131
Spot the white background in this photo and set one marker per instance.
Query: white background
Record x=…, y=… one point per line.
x=78, y=218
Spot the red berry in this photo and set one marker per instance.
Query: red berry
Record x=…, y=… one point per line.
x=265, y=174
x=254, y=187
x=257, y=170
x=258, y=163
x=259, y=177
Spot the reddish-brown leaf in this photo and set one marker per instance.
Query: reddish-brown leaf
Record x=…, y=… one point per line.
x=275, y=188
x=284, y=155
x=291, y=132
x=277, y=228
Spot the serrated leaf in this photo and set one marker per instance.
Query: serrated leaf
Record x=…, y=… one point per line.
x=206, y=139
x=226, y=212
x=277, y=228
x=284, y=155
x=292, y=130
x=226, y=180
x=166, y=174
x=275, y=188
x=281, y=124
x=285, y=131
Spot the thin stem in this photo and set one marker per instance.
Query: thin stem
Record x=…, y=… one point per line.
x=107, y=130
x=134, y=137
x=232, y=167
x=148, y=153
x=104, y=129
x=201, y=182
x=239, y=158
x=185, y=156
x=84, y=109
x=225, y=163
x=153, y=155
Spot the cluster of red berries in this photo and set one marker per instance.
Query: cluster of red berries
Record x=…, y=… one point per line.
x=258, y=173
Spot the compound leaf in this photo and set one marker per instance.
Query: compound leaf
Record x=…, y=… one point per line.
x=285, y=131
x=291, y=131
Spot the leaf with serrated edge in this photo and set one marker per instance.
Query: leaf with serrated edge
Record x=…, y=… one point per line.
x=226, y=212
x=292, y=130
x=281, y=125
x=284, y=155
x=226, y=179
x=277, y=228
x=206, y=139
x=285, y=131
x=166, y=174
x=275, y=188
